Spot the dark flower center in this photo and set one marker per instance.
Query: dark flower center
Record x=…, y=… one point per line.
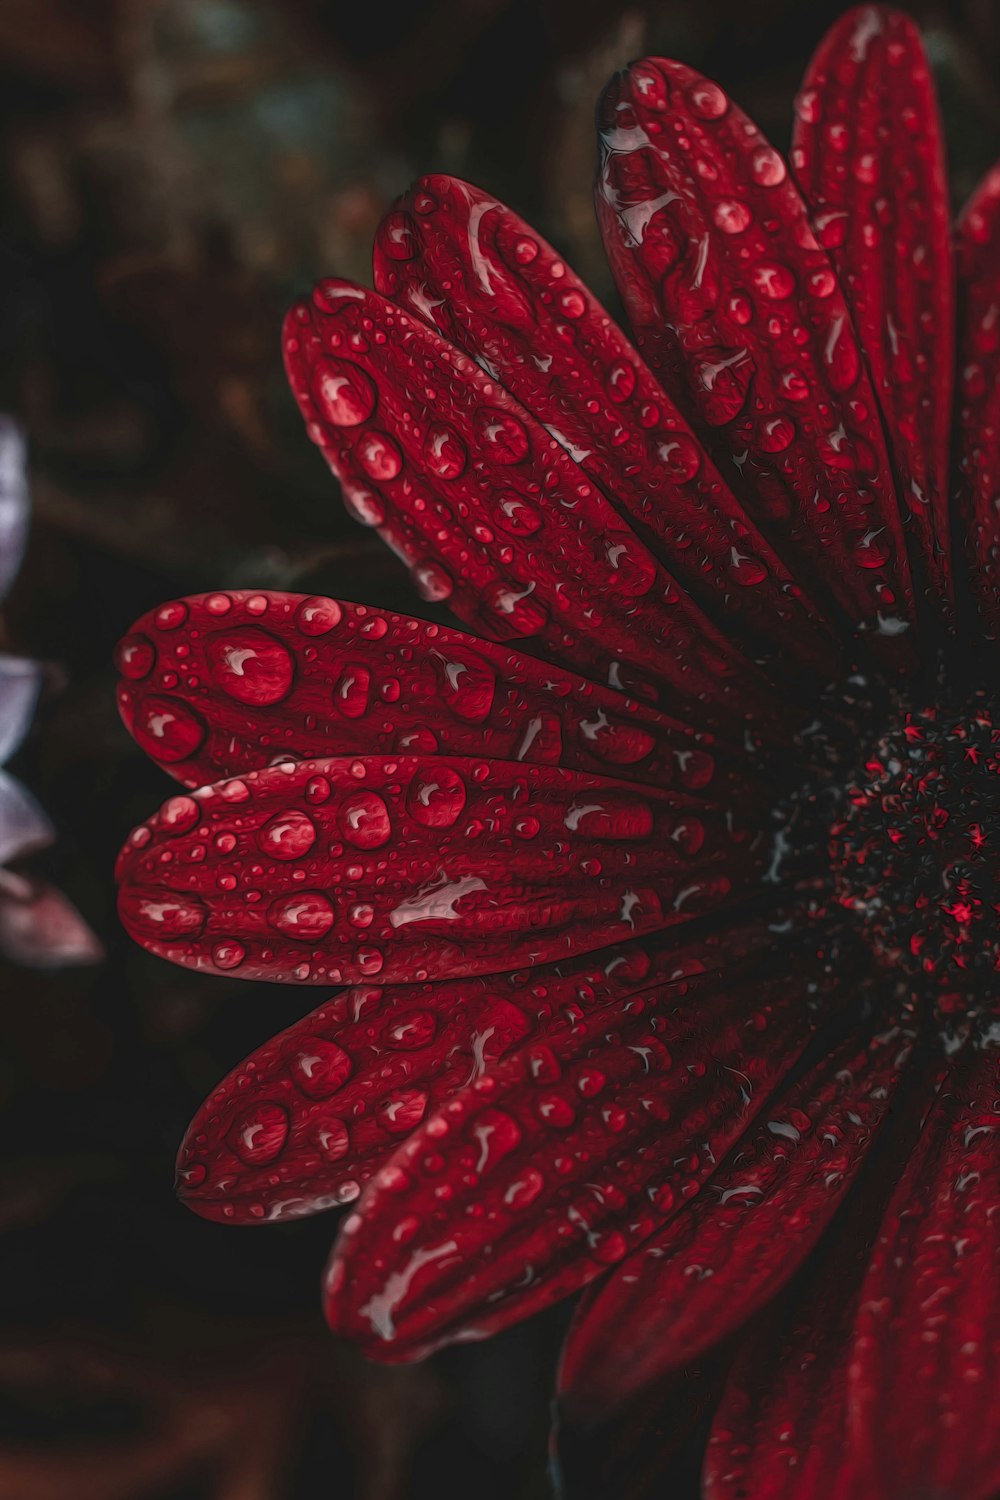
x=914, y=850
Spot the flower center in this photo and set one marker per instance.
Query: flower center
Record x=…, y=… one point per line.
x=915, y=852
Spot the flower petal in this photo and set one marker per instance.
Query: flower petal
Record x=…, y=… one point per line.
x=24, y=827
x=308, y=1117
x=540, y=1175
x=493, y=287
x=40, y=928
x=15, y=503
x=781, y=1427
x=223, y=683
x=930, y=1306
x=695, y=1281
x=413, y=868
x=978, y=364
x=869, y=159
x=492, y=513
x=20, y=682
x=737, y=308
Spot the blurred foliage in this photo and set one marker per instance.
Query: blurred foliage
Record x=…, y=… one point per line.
x=171, y=172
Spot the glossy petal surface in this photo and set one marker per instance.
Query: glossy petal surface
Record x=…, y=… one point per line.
x=411, y=868
x=491, y=511
x=874, y=180
x=348, y=1082
x=978, y=405
x=930, y=1306
x=690, y=1285
x=551, y=1168
x=222, y=683
x=493, y=287
x=737, y=307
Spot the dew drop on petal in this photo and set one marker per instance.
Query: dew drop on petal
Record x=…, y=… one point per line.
x=288, y=835
x=259, y=1135
x=306, y=916
x=319, y=1067
x=345, y=393
x=364, y=821
x=250, y=666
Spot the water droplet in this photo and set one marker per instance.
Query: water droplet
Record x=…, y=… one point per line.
x=351, y=691
x=172, y=616
x=167, y=729
x=775, y=434
x=345, y=394
x=435, y=797
x=773, y=280
x=871, y=549
x=307, y=916
x=228, y=955
x=399, y=236
x=431, y=581
x=380, y=458
x=259, y=1135
x=707, y=100
x=414, y=1030
x=680, y=456
x=573, y=304
x=364, y=821
x=468, y=684
x=523, y=1191
x=768, y=167
x=650, y=85
x=402, y=1112
x=502, y=435
x=333, y=1138
x=179, y=814
x=556, y=1110
x=364, y=506
x=319, y=1068
x=316, y=615
x=517, y=516
x=746, y=569
x=250, y=665
x=731, y=216
x=288, y=835
x=444, y=452
x=161, y=916
x=135, y=657
x=219, y=604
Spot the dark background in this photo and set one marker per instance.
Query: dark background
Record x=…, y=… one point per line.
x=172, y=172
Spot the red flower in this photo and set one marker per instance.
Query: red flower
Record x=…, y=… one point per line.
x=670, y=946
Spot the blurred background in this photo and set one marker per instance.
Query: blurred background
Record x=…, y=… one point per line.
x=172, y=172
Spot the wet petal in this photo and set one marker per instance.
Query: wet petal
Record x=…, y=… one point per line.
x=413, y=868
x=551, y=1168
x=930, y=1305
x=874, y=180
x=738, y=309
x=781, y=1425
x=265, y=677
x=492, y=513
x=494, y=288
x=978, y=365
x=349, y=1081
x=709, y=1270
